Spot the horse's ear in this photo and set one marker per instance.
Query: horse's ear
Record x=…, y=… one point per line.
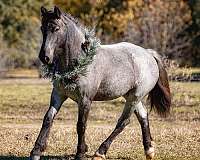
x=43, y=11
x=57, y=12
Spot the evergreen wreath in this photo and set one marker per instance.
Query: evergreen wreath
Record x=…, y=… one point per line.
x=70, y=76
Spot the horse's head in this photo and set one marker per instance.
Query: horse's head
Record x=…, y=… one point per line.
x=53, y=30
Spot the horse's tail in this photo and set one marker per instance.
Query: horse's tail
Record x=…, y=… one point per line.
x=160, y=96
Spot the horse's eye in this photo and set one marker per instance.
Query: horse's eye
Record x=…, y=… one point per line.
x=56, y=28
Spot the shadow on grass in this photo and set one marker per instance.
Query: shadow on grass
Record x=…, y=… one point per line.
x=66, y=157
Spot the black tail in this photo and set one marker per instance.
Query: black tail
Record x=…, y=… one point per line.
x=160, y=96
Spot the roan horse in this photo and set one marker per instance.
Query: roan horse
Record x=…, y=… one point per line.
x=121, y=69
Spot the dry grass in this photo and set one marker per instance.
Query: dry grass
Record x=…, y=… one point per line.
x=184, y=70
x=24, y=102
x=22, y=73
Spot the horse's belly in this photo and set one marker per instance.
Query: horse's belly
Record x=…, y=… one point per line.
x=114, y=87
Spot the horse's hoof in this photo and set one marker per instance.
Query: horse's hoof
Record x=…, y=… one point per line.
x=150, y=153
x=99, y=156
x=34, y=157
x=80, y=157
x=86, y=148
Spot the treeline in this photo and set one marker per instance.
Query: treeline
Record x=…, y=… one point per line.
x=170, y=27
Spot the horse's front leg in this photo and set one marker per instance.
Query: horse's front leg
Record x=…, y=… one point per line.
x=83, y=111
x=142, y=117
x=41, y=142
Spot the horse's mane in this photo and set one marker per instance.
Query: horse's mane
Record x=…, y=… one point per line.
x=75, y=20
x=68, y=16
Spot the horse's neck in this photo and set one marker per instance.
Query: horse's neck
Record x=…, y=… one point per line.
x=76, y=39
x=61, y=64
x=73, y=44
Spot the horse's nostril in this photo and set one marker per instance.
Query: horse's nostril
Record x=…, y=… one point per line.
x=46, y=59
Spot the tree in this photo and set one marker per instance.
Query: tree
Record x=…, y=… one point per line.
x=161, y=25
x=110, y=17
x=19, y=26
x=194, y=31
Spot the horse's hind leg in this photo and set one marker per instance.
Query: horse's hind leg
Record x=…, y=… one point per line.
x=123, y=121
x=41, y=142
x=142, y=117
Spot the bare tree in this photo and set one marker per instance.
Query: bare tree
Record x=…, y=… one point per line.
x=162, y=26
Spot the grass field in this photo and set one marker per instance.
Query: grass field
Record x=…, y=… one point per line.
x=23, y=103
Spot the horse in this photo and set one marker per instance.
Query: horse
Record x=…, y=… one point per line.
x=116, y=70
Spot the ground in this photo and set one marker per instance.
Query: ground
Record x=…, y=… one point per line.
x=23, y=103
